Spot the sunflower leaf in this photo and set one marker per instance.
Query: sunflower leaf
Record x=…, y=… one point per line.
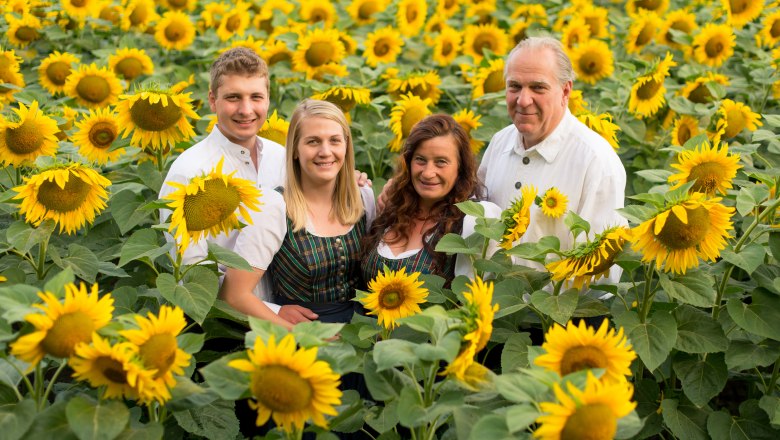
x=771, y=120
x=52, y=424
x=455, y=244
x=195, y=295
x=23, y=236
x=695, y=288
x=749, y=258
x=227, y=257
x=697, y=332
x=515, y=352
x=652, y=340
x=746, y=355
x=701, y=379
x=684, y=421
x=150, y=431
x=214, y=420
x=559, y=307
x=82, y=261
x=143, y=244
x=473, y=209
x=750, y=197
x=654, y=176
x=99, y=420
x=125, y=210
x=230, y=383
x=16, y=418
x=761, y=316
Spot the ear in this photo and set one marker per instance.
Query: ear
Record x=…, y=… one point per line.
x=567, y=92
x=212, y=101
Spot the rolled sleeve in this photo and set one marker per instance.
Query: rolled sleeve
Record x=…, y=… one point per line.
x=259, y=242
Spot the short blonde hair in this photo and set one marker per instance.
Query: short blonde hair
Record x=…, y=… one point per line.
x=237, y=61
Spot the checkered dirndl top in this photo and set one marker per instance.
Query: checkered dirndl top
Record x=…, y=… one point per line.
x=422, y=262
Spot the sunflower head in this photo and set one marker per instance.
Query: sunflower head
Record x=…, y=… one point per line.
x=175, y=31
x=156, y=117
x=93, y=87
x=55, y=69
x=714, y=44
x=32, y=134
x=517, y=217
x=603, y=125
x=382, y=46
x=590, y=260
x=394, y=295
x=96, y=133
x=469, y=121
x=317, y=50
x=554, y=203
x=593, y=61
x=424, y=85
x=711, y=168
x=275, y=129
x=130, y=63
x=647, y=93
x=488, y=79
x=738, y=117
x=9, y=74
x=407, y=112
x=345, y=97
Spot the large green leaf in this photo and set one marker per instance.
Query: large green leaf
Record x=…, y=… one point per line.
x=746, y=355
x=16, y=302
x=82, y=261
x=384, y=385
x=493, y=427
x=454, y=243
x=411, y=411
x=23, y=237
x=520, y=417
x=752, y=423
x=150, y=176
x=195, y=295
x=771, y=405
x=52, y=424
x=723, y=426
x=124, y=210
x=652, y=340
x=751, y=196
x=393, y=353
x=187, y=395
x=749, y=258
x=761, y=316
x=694, y=288
x=16, y=418
x=228, y=382
x=701, y=379
x=227, y=257
x=383, y=419
x=143, y=244
x=96, y=420
x=517, y=388
x=697, y=332
x=471, y=208
x=151, y=431
x=685, y=422
x=558, y=307
x=215, y=420
x=515, y=352
x=774, y=244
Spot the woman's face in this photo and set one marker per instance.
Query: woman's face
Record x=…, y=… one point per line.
x=434, y=169
x=320, y=151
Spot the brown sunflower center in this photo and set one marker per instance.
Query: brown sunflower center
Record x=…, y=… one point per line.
x=93, y=88
x=391, y=298
x=24, y=139
x=446, y=48
x=494, y=82
x=57, y=72
x=411, y=117
x=683, y=133
x=738, y=6
x=411, y=14
x=175, y=31
x=551, y=202
x=320, y=53
x=367, y=9
x=318, y=15
x=382, y=47
x=109, y=13
x=67, y=199
x=111, y=369
x=591, y=63
x=677, y=235
x=520, y=35
x=139, y=15
x=233, y=23
x=281, y=389
x=774, y=31
x=707, y=176
x=612, y=247
x=650, y=5
x=78, y=3
x=155, y=117
x=129, y=67
x=210, y=207
x=102, y=134
x=649, y=90
x=594, y=421
x=278, y=57
x=177, y=4
x=714, y=47
x=67, y=331
x=159, y=352
x=450, y=4
x=27, y=34
x=581, y=358
x=645, y=35
x=701, y=94
x=483, y=41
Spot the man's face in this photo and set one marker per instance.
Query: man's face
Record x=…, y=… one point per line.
x=241, y=104
x=535, y=99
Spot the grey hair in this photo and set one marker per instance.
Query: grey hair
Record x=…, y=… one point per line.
x=565, y=70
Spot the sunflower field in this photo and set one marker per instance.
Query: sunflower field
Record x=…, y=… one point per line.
x=105, y=334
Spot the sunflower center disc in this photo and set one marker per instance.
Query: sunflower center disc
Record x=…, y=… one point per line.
x=645, y=35
x=318, y=15
x=208, y=208
x=551, y=202
x=109, y=14
x=391, y=300
x=446, y=48
x=481, y=42
x=26, y=33
x=281, y=389
x=411, y=14
x=738, y=6
x=581, y=358
x=602, y=263
x=683, y=134
x=58, y=72
x=138, y=16
x=319, y=53
x=775, y=30
x=713, y=48
x=93, y=89
x=277, y=57
x=78, y=3
x=155, y=117
x=24, y=139
x=676, y=235
x=411, y=117
x=590, y=422
x=111, y=370
x=494, y=82
x=648, y=90
x=650, y=5
x=129, y=68
x=177, y=4
x=174, y=32
x=590, y=63
x=381, y=48
x=159, y=352
x=367, y=9
x=67, y=199
x=700, y=95
x=68, y=331
x=707, y=175
x=102, y=134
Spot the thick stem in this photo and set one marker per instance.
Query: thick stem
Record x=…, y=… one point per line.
x=773, y=380
x=52, y=381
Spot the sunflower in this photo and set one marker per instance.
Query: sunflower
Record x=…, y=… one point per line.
x=382, y=46
x=591, y=413
x=447, y=8
x=182, y=85
x=110, y=12
x=685, y=127
x=518, y=32
x=290, y=385
x=207, y=205
x=769, y=35
x=275, y=129
x=470, y=121
x=212, y=14
x=96, y=133
x=603, y=125
x=482, y=11
x=575, y=33
x=714, y=44
x=157, y=118
x=93, y=87
x=597, y=19
x=268, y=10
x=316, y=50
x=446, y=46
x=81, y=9
x=738, y=117
x=9, y=74
x=691, y=228
x=639, y=7
x=318, y=11
x=22, y=31
x=742, y=12
x=591, y=260
x=130, y=63
x=275, y=51
x=577, y=103
x=33, y=135
x=410, y=16
x=363, y=11
x=63, y=325
x=679, y=20
x=406, y=112
x=489, y=79
x=592, y=61
x=421, y=84
x=532, y=13
x=71, y=195
x=642, y=31
x=345, y=97
x=139, y=15
x=175, y=31
x=711, y=167
x=55, y=69
x=394, y=295
x=517, y=217
x=477, y=38
x=234, y=22
x=179, y=5
x=647, y=93
x=554, y=203
x=698, y=90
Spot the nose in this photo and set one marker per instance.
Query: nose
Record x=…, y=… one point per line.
x=429, y=171
x=524, y=98
x=325, y=149
x=245, y=106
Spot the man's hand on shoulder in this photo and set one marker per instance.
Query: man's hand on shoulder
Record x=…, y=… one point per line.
x=362, y=179
x=295, y=314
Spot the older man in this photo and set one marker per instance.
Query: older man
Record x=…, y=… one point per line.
x=547, y=146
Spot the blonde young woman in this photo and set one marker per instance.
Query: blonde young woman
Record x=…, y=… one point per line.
x=310, y=244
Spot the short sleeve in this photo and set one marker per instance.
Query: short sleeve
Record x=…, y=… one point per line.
x=258, y=242
x=369, y=204
x=462, y=262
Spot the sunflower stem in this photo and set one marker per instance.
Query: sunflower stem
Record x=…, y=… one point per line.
x=775, y=376
x=38, y=384
x=52, y=381
x=41, y=258
x=647, y=298
x=27, y=383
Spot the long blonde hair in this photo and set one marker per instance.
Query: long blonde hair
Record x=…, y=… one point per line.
x=347, y=204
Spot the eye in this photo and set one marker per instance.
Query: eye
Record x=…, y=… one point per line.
x=442, y=162
x=420, y=160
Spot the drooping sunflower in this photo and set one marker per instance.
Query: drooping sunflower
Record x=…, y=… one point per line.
x=81, y=9
x=111, y=368
x=410, y=16
x=33, y=134
x=742, y=12
x=738, y=117
x=591, y=413
x=685, y=127
x=469, y=121
x=291, y=386
x=382, y=46
x=93, y=87
x=63, y=325
x=684, y=231
x=96, y=134
x=477, y=38
x=345, y=97
x=647, y=93
x=363, y=11
x=317, y=49
x=714, y=44
x=446, y=46
x=139, y=15
x=577, y=103
x=603, y=125
x=394, y=295
x=71, y=195
x=592, y=61
x=207, y=205
x=679, y=20
x=554, y=203
x=9, y=74
x=638, y=7
x=488, y=79
x=406, y=112
x=175, y=31
x=424, y=85
x=698, y=90
x=23, y=31
x=575, y=33
x=591, y=260
x=55, y=69
x=575, y=348
x=130, y=63
x=517, y=217
x=318, y=11
x=769, y=35
x=275, y=129
x=711, y=167
x=642, y=31
x=157, y=118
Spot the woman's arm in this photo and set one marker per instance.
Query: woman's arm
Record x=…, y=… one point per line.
x=237, y=290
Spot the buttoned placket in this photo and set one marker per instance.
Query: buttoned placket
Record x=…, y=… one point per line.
x=342, y=259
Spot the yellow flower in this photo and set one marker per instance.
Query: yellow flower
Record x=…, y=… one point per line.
x=179, y=5
x=81, y=9
x=639, y=7
x=769, y=35
x=207, y=205
x=488, y=79
x=575, y=33
x=679, y=20
x=407, y=112
x=55, y=69
x=518, y=32
x=93, y=87
x=685, y=127
x=9, y=74
x=316, y=50
x=517, y=217
x=22, y=31
x=590, y=414
x=269, y=9
x=382, y=46
x=577, y=103
x=33, y=135
x=698, y=90
x=275, y=51
x=363, y=11
x=603, y=125
x=290, y=385
x=591, y=260
x=175, y=31
x=738, y=117
x=642, y=31
x=234, y=22
x=592, y=61
x=318, y=11
x=63, y=325
x=96, y=133
x=714, y=44
x=139, y=15
x=692, y=228
x=470, y=121
x=447, y=7
x=713, y=169
x=130, y=63
x=394, y=295
x=410, y=16
x=647, y=93
x=477, y=38
x=532, y=13
x=424, y=85
x=345, y=97
x=554, y=203
x=275, y=129
x=257, y=46
x=597, y=19
x=157, y=118
x=446, y=46
x=742, y=12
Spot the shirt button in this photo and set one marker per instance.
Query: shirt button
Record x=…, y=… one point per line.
x=247, y=163
x=243, y=152
x=526, y=160
x=518, y=185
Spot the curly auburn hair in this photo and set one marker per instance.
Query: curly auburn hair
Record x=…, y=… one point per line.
x=403, y=203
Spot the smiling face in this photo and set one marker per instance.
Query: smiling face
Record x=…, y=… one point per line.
x=535, y=98
x=434, y=169
x=241, y=104
x=320, y=151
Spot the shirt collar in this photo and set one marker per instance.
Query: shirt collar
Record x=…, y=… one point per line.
x=220, y=139
x=552, y=144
